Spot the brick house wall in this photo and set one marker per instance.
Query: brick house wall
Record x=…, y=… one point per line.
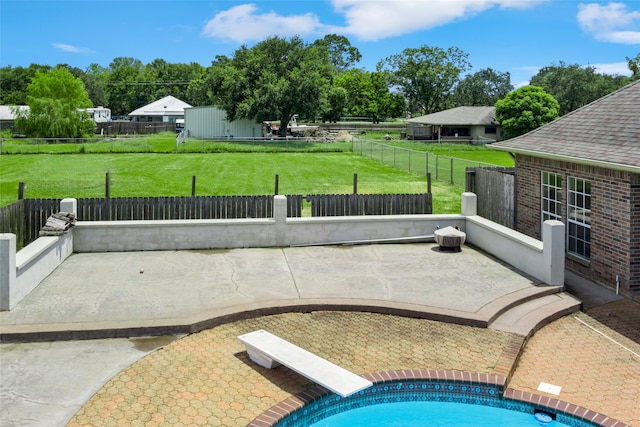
x=615, y=218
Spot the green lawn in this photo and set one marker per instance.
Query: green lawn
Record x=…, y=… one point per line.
x=236, y=168
x=83, y=175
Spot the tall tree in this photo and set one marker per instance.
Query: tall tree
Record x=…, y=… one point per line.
x=14, y=82
x=274, y=79
x=55, y=100
x=526, y=109
x=634, y=66
x=128, y=86
x=95, y=80
x=483, y=88
x=427, y=75
x=341, y=54
x=368, y=95
x=574, y=86
x=171, y=79
x=336, y=103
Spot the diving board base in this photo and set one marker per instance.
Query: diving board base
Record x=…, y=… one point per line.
x=270, y=351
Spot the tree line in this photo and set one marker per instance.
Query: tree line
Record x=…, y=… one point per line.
x=279, y=77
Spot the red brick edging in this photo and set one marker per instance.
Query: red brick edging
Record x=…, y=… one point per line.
x=293, y=403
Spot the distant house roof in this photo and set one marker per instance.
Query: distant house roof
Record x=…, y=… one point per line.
x=604, y=133
x=168, y=105
x=459, y=116
x=6, y=112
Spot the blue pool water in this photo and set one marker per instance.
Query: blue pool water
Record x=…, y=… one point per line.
x=422, y=402
x=433, y=414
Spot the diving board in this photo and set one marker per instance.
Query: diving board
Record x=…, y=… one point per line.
x=270, y=351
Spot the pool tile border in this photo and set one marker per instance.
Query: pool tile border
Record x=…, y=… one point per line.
x=562, y=406
x=279, y=411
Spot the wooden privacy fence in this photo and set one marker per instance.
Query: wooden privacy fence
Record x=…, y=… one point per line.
x=26, y=217
x=495, y=191
x=165, y=208
x=369, y=204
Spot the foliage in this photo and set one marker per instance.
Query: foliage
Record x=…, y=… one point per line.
x=483, y=88
x=339, y=50
x=634, y=66
x=95, y=80
x=368, y=95
x=525, y=109
x=272, y=81
x=54, y=99
x=126, y=93
x=574, y=86
x=426, y=76
x=336, y=104
x=14, y=82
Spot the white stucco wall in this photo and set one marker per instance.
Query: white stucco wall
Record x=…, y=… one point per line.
x=21, y=272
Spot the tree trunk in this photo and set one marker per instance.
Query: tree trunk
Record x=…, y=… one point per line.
x=282, y=131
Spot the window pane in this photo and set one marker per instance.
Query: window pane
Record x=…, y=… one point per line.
x=579, y=217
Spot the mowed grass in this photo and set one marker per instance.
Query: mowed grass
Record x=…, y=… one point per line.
x=151, y=166
x=84, y=175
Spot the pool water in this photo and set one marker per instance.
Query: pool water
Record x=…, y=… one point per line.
x=422, y=403
x=411, y=414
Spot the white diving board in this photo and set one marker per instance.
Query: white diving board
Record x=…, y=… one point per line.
x=270, y=351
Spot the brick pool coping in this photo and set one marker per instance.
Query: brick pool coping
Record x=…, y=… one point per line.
x=277, y=412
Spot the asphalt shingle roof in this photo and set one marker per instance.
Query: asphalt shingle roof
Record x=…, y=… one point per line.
x=604, y=132
x=460, y=116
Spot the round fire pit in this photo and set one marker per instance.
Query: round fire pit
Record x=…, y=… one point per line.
x=450, y=238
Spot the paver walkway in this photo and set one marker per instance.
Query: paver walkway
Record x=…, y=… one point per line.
x=207, y=378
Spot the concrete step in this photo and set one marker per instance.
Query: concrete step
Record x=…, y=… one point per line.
x=528, y=317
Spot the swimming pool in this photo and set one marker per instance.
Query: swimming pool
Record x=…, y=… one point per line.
x=450, y=394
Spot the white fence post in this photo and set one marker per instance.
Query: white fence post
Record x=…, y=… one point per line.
x=7, y=270
x=469, y=204
x=553, y=252
x=280, y=218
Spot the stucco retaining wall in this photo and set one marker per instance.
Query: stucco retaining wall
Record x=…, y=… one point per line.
x=21, y=272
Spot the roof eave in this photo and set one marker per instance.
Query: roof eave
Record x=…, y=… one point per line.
x=571, y=159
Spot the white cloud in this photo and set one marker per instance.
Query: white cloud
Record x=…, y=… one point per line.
x=243, y=23
x=378, y=19
x=616, y=68
x=71, y=48
x=365, y=19
x=613, y=23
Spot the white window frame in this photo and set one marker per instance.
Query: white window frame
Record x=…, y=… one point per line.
x=579, y=217
x=550, y=197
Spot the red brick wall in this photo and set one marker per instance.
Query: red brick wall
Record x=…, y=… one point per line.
x=615, y=222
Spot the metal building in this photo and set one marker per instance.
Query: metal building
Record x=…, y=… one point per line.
x=211, y=122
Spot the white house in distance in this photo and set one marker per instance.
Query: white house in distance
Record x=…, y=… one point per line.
x=211, y=122
x=166, y=110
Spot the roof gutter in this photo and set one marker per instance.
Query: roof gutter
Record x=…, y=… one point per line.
x=571, y=159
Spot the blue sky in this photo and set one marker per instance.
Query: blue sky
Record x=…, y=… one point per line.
x=518, y=36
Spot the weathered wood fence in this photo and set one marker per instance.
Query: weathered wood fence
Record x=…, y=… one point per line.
x=165, y=208
x=369, y=204
x=26, y=217
x=495, y=188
